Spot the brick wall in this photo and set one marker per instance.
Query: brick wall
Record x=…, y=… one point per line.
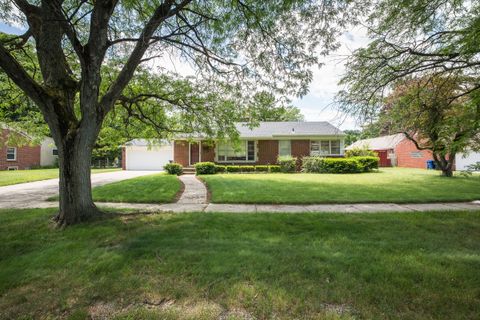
x=27, y=156
x=208, y=152
x=267, y=152
x=300, y=149
x=405, y=158
x=180, y=152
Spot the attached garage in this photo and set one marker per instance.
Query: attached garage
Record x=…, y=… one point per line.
x=140, y=154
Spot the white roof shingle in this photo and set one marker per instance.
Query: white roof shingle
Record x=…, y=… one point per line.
x=380, y=143
x=288, y=128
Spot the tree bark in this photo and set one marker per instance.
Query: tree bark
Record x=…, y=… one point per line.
x=445, y=164
x=76, y=203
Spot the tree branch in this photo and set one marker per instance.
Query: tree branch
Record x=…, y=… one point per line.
x=162, y=13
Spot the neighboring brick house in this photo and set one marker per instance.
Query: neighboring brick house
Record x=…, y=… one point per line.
x=25, y=156
x=395, y=150
x=260, y=145
x=263, y=144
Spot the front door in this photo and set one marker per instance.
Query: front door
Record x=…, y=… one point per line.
x=194, y=153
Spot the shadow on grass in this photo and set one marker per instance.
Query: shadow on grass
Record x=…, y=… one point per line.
x=287, y=266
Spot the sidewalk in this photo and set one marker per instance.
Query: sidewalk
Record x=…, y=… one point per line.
x=253, y=208
x=194, y=199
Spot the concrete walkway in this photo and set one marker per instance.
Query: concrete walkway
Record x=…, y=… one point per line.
x=195, y=191
x=253, y=208
x=194, y=199
x=34, y=194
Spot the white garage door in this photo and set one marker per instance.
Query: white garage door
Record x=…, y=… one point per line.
x=143, y=158
x=462, y=160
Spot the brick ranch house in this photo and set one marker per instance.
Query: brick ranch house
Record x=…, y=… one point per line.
x=395, y=150
x=258, y=146
x=25, y=156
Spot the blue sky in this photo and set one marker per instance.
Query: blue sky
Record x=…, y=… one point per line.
x=317, y=104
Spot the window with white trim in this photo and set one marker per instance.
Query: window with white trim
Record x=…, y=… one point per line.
x=325, y=147
x=12, y=168
x=284, y=148
x=243, y=152
x=55, y=152
x=11, y=154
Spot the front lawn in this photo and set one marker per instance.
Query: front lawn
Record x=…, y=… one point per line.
x=397, y=185
x=22, y=176
x=252, y=266
x=157, y=188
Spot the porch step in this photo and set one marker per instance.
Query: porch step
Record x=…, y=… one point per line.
x=188, y=170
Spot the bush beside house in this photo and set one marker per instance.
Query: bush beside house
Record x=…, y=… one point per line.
x=202, y=168
x=339, y=165
x=173, y=168
x=287, y=164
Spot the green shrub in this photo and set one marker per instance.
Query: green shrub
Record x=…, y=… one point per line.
x=220, y=169
x=340, y=165
x=205, y=168
x=247, y=168
x=368, y=163
x=173, y=168
x=233, y=169
x=360, y=152
x=312, y=164
x=274, y=169
x=261, y=168
x=287, y=164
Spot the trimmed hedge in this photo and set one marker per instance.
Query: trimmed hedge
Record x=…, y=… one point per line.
x=173, y=168
x=261, y=168
x=247, y=168
x=220, y=169
x=205, y=168
x=212, y=168
x=233, y=169
x=287, y=164
x=339, y=165
x=368, y=163
x=274, y=169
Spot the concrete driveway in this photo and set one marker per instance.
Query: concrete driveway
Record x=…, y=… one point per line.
x=34, y=194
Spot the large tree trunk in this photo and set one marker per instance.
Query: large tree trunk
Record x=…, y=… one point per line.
x=76, y=204
x=445, y=164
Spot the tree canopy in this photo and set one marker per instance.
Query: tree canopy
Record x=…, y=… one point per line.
x=424, y=110
x=89, y=53
x=414, y=38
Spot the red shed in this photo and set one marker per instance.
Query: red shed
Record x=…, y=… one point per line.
x=395, y=150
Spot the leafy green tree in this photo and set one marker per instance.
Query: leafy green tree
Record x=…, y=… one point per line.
x=411, y=38
x=265, y=107
x=246, y=44
x=434, y=116
x=352, y=136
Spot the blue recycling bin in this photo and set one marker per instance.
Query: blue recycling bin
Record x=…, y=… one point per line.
x=430, y=164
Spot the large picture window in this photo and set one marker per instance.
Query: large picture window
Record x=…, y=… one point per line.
x=284, y=148
x=325, y=147
x=11, y=154
x=243, y=152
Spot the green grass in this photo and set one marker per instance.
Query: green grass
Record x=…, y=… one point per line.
x=282, y=266
x=22, y=176
x=396, y=185
x=157, y=188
